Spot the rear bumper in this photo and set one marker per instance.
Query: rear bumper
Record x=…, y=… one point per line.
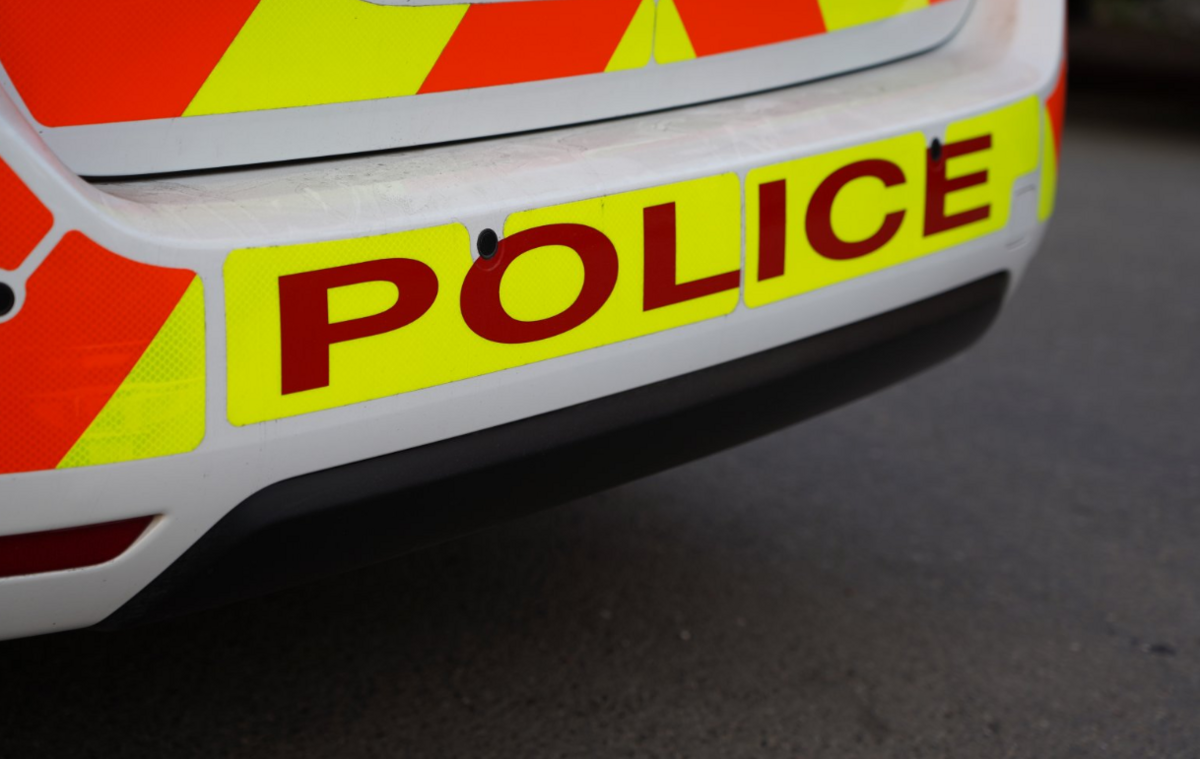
x=351, y=516
x=1010, y=51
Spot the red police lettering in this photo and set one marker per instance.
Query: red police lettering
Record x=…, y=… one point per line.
x=306, y=333
x=480, y=300
x=938, y=187
x=772, y=229
x=660, y=285
x=819, y=223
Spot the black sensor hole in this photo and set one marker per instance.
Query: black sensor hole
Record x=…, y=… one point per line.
x=487, y=244
x=935, y=150
x=8, y=299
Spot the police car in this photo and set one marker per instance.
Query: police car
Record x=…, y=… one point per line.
x=288, y=287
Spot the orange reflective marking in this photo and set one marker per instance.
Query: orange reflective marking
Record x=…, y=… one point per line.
x=93, y=62
x=721, y=26
x=506, y=43
x=79, y=62
x=88, y=317
x=24, y=221
x=1056, y=104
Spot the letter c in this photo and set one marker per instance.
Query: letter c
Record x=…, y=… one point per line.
x=819, y=226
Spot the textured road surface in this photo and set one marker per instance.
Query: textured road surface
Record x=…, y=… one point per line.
x=1000, y=558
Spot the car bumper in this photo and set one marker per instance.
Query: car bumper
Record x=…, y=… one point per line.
x=339, y=519
x=1009, y=52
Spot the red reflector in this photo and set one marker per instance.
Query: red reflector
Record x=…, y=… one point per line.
x=72, y=548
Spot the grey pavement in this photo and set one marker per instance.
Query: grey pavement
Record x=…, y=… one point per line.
x=1000, y=558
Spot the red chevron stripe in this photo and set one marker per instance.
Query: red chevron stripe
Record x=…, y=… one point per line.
x=101, y=61
x=506, y=43
x=89, y=315
x=24, y=221
x=1057, y=105
x=720, y=26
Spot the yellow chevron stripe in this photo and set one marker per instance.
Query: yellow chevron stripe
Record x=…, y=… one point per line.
x=1049, y=184
x=295, y=53
x=840, y=14
x=307, y=52
x=671, y=40
x=159, y=409
x=637, y=44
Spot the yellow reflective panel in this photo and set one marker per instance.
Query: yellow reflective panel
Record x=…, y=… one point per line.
x=671, y=41
x=371, y=367
x=637, y=44
x=1016, y=147
x=541, y=284
x=307, y=52
x=840, y=14
x=321, y=325
x=159, y=409
x=1049, y=185
x=707, y=218
x=860, y=210
x=809, y=221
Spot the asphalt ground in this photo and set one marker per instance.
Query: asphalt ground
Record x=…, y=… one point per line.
x=1000, y=558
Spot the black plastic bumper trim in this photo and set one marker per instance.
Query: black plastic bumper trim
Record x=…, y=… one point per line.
x=339, y=519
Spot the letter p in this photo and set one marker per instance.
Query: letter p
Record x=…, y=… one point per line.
x=306, y=333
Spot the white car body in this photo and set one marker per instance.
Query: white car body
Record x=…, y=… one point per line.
x=1007, y=52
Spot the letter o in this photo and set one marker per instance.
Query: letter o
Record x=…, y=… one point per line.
x=480, y=298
